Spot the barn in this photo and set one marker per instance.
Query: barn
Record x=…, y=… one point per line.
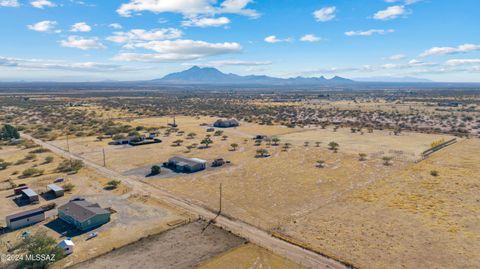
x=25, y=218
x=188, y=165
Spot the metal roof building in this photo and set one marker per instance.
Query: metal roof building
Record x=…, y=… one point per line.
x=57, y=190
x=30, y=194
x=25, y=218
x=189, y=165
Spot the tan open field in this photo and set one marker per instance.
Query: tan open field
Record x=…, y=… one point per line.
x=249, y=256
x=408, y=220
x=363, y=213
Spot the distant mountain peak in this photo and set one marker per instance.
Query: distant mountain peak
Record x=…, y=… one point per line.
x=211, y=75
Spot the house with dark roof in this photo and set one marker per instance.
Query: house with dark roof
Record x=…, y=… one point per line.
x=187, y=165
x=25, y=218
x=226, y=123
x=83, y=214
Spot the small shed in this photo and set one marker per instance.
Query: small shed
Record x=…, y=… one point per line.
x=18, y=191
x=25, y=218
x=67, y=246
x=56, y=190
x=30, y=195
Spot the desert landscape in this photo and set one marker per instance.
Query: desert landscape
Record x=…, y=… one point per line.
x=365, y=196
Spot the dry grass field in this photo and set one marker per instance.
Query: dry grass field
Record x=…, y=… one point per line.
x=249, y=256
x=361, y=212
x=407, y=220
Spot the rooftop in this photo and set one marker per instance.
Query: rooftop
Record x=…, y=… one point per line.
x=25, y=214
x=82, y=210
x=29, y=192
x=189, y=161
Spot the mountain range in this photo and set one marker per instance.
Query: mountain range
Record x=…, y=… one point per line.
x=209, y=75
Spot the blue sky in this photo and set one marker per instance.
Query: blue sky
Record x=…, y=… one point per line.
x=74, y=40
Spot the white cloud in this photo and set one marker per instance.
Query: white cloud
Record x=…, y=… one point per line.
x=206, y=22
x=457, y=62
x=115, y=26
x=397, y=57
x=406, y=2
x=42, y=3
x=82, y=43
x=43, y=26
x=325, y=14
x=274, y=39
x=230, y=63
x=81, y=27
x=42, y=64
x=138, y=35
x=450, y=50
x=390, y=13
x=9, y=3
x=369, y=32
x=178, y=50
x=238, y=7
x=188, y=8
x=310, y=38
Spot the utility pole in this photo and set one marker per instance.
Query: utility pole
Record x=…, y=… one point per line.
x=220, y=208
x=104, y=162
x=219, y=211
x=68, y=146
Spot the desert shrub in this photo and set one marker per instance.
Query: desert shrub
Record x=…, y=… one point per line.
x=39, y=150
x=113, y=184
x=20, y=162
x=32, y=172
x=70, y=166
x=434, y=173
x=48, y=159
x=155, y=170
x=3, y=164
x=40, y=245
x=8, y=132
x=68, y=187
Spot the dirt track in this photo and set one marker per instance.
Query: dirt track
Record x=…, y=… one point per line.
x=257, y=236
x=183, y=247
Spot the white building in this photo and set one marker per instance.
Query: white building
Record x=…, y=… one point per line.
x=25, y=218
x=67, y=246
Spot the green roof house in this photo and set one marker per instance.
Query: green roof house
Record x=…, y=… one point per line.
x=83, y=214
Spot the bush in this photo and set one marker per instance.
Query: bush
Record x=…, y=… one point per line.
x=155, y=170
x=40, y=245
x=68, y=187
x=434, y=173
x=8, y=132
x=3, y=164
x=48, y=159
x=32, y=172
x=113, y=184
x=39, y=150
x=70, y=166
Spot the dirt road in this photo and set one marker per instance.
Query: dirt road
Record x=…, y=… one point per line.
x=255, y=235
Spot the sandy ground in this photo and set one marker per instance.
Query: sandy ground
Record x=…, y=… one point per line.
x=249, y=256
x=183, y=247
x=364, y=213
x=408, y=220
